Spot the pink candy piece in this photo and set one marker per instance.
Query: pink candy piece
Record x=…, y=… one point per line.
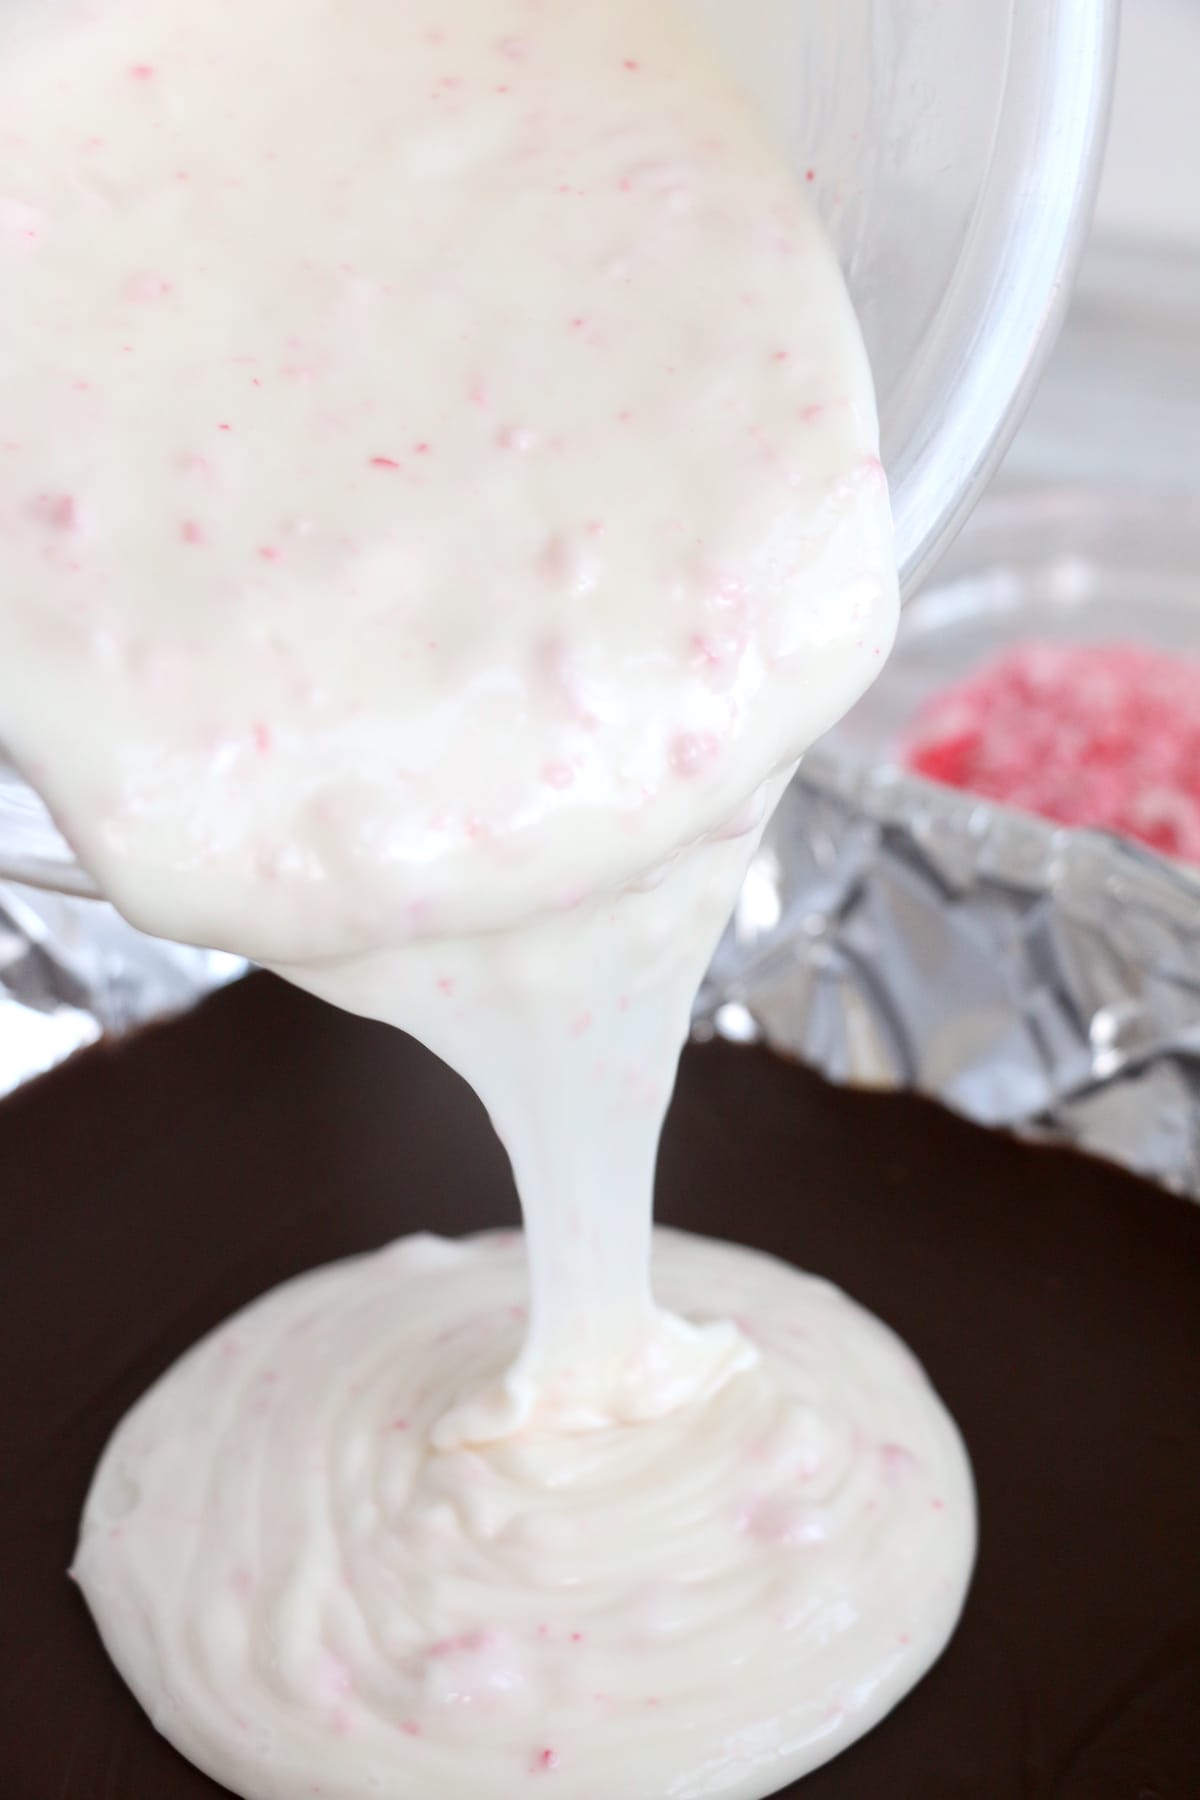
x=1094, y=735
x=691, y=751
x=58, y=512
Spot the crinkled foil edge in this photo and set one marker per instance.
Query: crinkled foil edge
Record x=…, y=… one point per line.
x=72, y=971
x=891, y=934
x=895, y=934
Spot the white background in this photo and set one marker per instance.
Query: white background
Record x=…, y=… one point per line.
x=1152, y=177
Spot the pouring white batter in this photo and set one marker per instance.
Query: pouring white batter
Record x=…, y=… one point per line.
x=439, y=503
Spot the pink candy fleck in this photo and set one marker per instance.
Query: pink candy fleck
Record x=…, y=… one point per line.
x=691, y=751
x=145, y=289
x=468, y=1643
x=61, y=512
x=20, y=225
x=384, y=462
x=898, y=1461
x=142, y=72
x=191, y=532
x=546, y=1760
x=262, y=743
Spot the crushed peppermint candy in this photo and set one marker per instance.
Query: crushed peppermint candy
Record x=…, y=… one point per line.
x=1105, y=736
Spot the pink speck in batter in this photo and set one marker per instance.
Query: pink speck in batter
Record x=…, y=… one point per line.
x=897, y=1461
x=145, y=289
x=199, y=466
x=262, y=743
x=142, y=72
x=59, y=512
x=691, y=751
x=270, y=553
x=21, y=225
x=518, y=438
x=384, y=462
x=546, y=1760
x=410, y=1728
x=191, y=532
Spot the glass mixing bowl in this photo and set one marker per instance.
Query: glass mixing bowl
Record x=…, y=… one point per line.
x=955, y=152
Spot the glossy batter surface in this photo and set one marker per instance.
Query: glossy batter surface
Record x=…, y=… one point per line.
x=1051, y=1298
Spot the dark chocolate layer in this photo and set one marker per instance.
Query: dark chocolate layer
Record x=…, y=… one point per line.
x=148, y=1190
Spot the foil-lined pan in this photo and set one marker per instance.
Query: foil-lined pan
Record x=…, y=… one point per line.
x=894, y=933
x=72, y=971
x=891, y=932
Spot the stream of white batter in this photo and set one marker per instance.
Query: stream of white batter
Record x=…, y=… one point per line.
x=440, y=501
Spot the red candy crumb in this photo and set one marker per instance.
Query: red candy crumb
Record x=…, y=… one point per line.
x=1105, y=736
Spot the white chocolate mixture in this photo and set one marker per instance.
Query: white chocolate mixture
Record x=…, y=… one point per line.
x=439, y=501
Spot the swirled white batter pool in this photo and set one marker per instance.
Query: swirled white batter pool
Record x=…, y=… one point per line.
x=439, y=502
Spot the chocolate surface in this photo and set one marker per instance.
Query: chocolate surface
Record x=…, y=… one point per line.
x=150, y=1189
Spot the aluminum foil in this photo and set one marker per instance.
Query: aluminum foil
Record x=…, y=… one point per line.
x=72, y=971
x=897, y=935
